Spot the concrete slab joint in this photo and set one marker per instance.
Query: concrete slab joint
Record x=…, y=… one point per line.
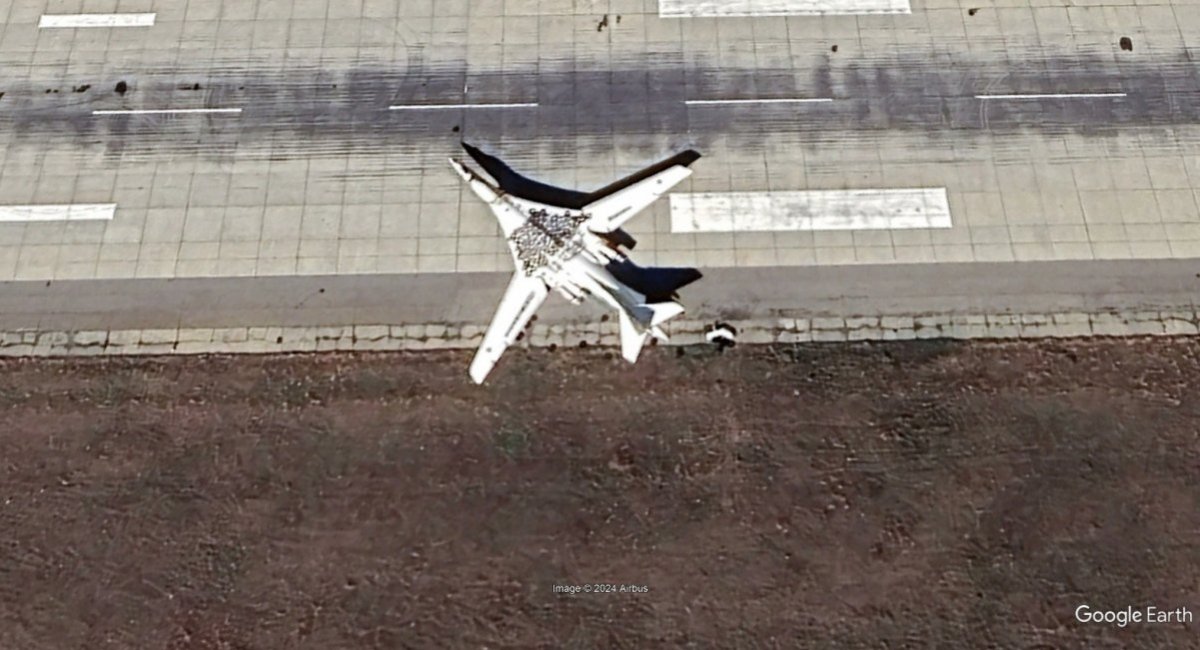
x=431, y=336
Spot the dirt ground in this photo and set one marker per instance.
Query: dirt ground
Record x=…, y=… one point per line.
x=911, y=495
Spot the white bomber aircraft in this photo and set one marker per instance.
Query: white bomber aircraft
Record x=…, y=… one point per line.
x=571, y=242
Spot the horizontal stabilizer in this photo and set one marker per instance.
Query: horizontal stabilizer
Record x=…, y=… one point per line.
x=635, y=333
x=632, y=339
x=657, y=284
x=664, y=311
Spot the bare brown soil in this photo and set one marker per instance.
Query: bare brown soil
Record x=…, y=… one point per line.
x=884, y=496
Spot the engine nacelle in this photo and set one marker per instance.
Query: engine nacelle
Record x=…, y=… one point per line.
x=575, y=295
x=600, y=249
x=618, y=238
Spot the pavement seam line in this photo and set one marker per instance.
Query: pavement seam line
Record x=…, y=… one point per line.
x=435, y=336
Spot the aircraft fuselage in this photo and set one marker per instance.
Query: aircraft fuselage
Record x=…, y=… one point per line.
x=554, y=245
x=572, y=262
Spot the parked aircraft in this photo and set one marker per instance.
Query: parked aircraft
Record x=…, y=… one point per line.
x=571, y=242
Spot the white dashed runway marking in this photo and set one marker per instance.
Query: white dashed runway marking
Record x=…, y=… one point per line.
x=96, y=20
x=434, y=107
x=730, y=8
x=171, y=111
x=1056, y=96
x=719, y=102
x=811, y=210
x=72, y=212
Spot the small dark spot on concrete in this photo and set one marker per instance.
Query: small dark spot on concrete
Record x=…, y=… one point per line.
x=456, y=129
x=553, y=347
x=55, y=91
x=1126, y=43
x=618, y=19
x=321, y=290
x=603, y=23
x=653, y=343
x=834, y=48
x=604, y=318
x=121, y=88
x=972, y=10
x=241, y=87
x=1, y=95
x=47, y=91
x=48, y=282
x=82, y=89
x=278, y=339
x=608, y=356
x=582, y=344
x=678, y=352
x=195, y=86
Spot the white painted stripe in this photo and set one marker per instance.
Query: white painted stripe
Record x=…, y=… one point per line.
x=1055, y=96
x=75, y=212
x=714, y=102
x=814, y=210
x=96, y=20
x=170, y=111
x=729, y=8
x=434, y=107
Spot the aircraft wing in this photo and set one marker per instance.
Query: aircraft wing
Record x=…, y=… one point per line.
x=622, y=201
x=522, y=298
x=610, y=206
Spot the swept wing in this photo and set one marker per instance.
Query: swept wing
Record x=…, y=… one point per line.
x=521, y=300
x=609, y=206
x=617, y=206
